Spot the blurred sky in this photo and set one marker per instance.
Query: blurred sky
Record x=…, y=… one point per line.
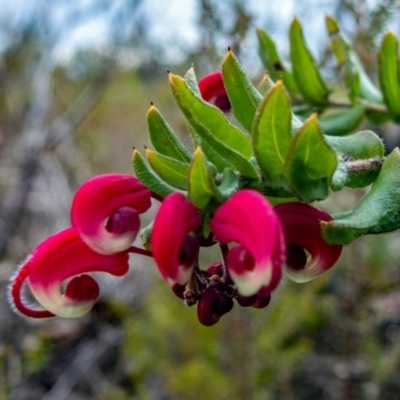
x=77, y=24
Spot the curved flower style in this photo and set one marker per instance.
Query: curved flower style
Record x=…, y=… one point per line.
x=301, y=225
x=248, y=219
x=57, y=259
x=212, y=90
x=105, y=211
x=174, y=251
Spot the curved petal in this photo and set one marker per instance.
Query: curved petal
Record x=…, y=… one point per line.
x=58, y=258
x=105, y=211
x=301, y=225
x=174, y=251
x=248, y=219
x=212, y=90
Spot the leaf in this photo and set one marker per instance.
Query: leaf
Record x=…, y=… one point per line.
x=308, y=78
x=191, y=80
x=163, y=137
x=243, y=96
x=272, y=62
x=310, y=163
x=342, y=122
x=229, y=184
x=272, y=134
x=265, y=84
x=378, y=211
x=144, y=173
x=170, y=170
x=203, y=192
x=389, y=73
x=354, y=75
x=202, y=115
x=360, y=145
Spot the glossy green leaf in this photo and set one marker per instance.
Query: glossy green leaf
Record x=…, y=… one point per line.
x=310, y=163
x=354, y=75
x=306, y=73
x=204, y=116
x=170, y=170
x=244, y=97
x=360, y=145
x=272, y=134
x=272, y=62
x=191, y=79
x=378, y=212
x=203, y=192
x=164, y=138
x=146, y=175
x=342, y=122
x=389, y=73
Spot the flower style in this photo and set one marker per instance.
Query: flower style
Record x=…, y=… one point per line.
x=105, y=221
x=301, y=224
x=212, y=90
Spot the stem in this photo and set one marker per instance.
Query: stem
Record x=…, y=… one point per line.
x=138, y=250
x=369, y=107
x=224, y=251
x=156, y=196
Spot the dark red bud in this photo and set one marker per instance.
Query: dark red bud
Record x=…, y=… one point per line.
x=178, y=290
x=212, y=305
x=216, y=269
x=259, y=300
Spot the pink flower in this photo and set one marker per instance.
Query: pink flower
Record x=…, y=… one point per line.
x=212, y=90
x=301, y=225
x=105, y=211
x=175, y=252
x=56, y=260
x=249, y=220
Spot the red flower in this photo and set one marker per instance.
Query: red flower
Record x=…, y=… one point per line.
x=105, y=211
x=301, y=224
x=212, y=90
x=175, y=252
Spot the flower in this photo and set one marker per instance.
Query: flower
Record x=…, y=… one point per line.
x=105, y=211
x=61, y=257
x=105, y=217
x=175, y=252
x=255, y=262
x=212, y=90
x=301, y=225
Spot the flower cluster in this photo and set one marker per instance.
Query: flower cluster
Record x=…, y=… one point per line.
x=257, y=240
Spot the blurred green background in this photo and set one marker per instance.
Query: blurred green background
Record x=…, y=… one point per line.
x=76, y=81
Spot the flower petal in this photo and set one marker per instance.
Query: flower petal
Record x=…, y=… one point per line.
x=248, y=219
x=105, y=211
x=58, y=258
x=212, y=90
x=301, y=225
x=174, y=251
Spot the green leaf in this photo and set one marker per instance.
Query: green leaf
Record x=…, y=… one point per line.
x=163, y=137
x=243, y=96
x=308, y=78
x=204, y=116
x=144, y=173
x=340, y=176
x=191, y=80
x=229, y=184
x=378, y=212
x=361, y=173
x=266, y=84
x=310, y=163
x=389, y=73
x=203, y=192
x=170, y=170
x=360, y=145
x=272, y=134
x=354, y=75
x=272, y=62
x=342, y=122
